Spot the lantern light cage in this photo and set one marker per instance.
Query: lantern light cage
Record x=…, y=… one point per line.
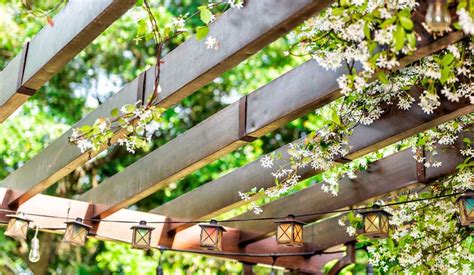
x=141, y=238
x=290, y=232
x=211, y=236
x=17, y=226
x=76, y=232
x=376, y=222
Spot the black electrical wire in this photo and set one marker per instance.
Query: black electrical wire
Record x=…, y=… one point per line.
x=95, y=220
x=242, y=254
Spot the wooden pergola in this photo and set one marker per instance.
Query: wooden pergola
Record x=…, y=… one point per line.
x=290, y=96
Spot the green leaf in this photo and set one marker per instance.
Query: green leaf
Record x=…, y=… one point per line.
x=85, y=128
x=139, y=3
x=411, y=38
x=447, y=59
x=382, y=77
x=399, y=37
x=406, y=23
x=205, y=14
x=130, y=108
x=201, y=32
x=114, y=112
x=367, y=30
x=445, y=74
x=335, y=117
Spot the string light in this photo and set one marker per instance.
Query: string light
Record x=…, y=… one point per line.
x=376, y=222
x=290, y=232
x=466, y=208
x=76, y=232
x=275, y=218
x=437, y=16
x=212, y=240
x=34, y=255
x=141, y=238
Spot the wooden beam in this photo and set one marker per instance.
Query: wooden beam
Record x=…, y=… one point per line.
x=243, y=36
x=384, y=176
x=53, y=47
x=394, y=126
x=54, y=211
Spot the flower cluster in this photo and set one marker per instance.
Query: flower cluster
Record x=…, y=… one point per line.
x=133, y=125
x=426, y=235
x=371, y=33
x=445, y=75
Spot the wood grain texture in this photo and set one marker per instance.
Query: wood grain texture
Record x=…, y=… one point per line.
x=241, y=36
x=53, y=47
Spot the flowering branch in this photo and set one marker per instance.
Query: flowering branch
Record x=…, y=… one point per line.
x=133, y=125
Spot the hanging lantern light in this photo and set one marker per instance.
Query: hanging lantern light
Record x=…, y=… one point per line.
x=211, y=236
x=17, y=226
x=437, y=16
x=76, y=232
x=466, y=208
x=376, y=222
x=141, y=238
x=290, y=232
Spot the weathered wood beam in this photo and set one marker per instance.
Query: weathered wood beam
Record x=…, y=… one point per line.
x=75, y=26
x=384, y=176
x=243, y=36
x=394, y=126
x=55, y=211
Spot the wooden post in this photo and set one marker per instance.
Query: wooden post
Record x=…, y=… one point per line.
x=247, y=268
x=348, y=259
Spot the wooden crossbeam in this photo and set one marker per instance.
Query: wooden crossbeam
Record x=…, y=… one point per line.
x=243, y=36
x=289, y=96
x=53, y=47
x=384, y=176
x=56, y=211
x=394, y=126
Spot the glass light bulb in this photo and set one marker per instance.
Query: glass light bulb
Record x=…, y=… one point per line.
x=34, y=255
x=437, y=16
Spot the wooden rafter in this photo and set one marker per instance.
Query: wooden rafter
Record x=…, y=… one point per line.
x=178, y=80
x=47, y=53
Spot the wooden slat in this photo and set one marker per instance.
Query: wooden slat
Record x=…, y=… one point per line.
x=386, y=175
x=394, y=126
x=242, y=38
x=76, y=25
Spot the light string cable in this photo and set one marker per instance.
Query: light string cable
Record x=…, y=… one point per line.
x=96, y=220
